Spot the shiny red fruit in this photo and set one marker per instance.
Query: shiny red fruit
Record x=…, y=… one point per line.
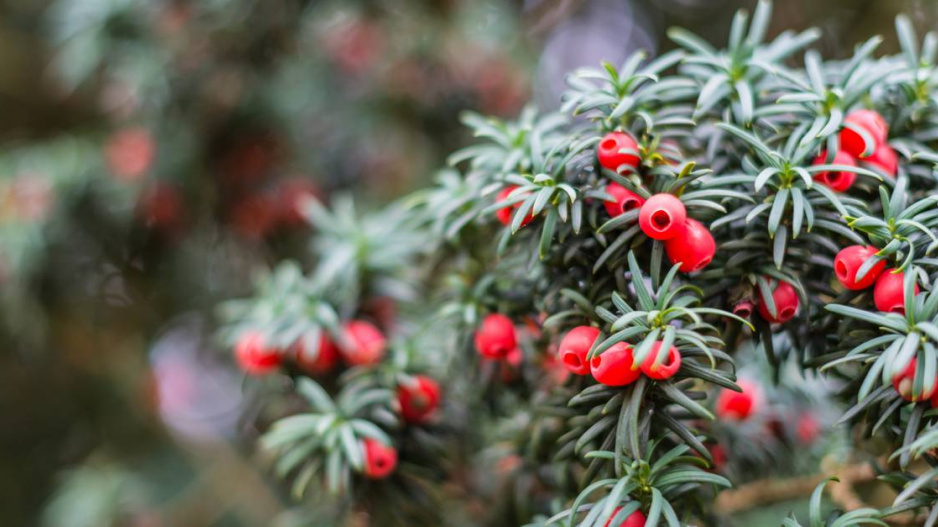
x=735, y=406
x=889, y=294
x=636, y=519
x=364, y=343
x=868, y=120
x=743, y=309
x=574, y=348
x=786, y=303
x=615, y=366
x=324, y=361
x=837, y=181
x=504, y=214
x=254, y=356
x=849, y=260
x=662, y=217
x=666, y=367
x=693, y=249
x=885, y=159
x=625, y=200
x=904, y=384
x=419, y=398
x=380, y=459
x=610, y=155
x=496, y=337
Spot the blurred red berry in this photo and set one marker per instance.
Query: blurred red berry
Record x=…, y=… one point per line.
x=496, y=336
x=129, y=153
x=662, y=217
x=636, y=519
x=849, y=260
x=364, y=343
x=161, y=208
x=504, y=214
x=735, y=406
x=615, y=366
x=419, y=398
x=380, y=459
x=904, y=384
x=574, y=348
x=254, y=356
x=610, y=151
x=808, y=429
x=292, y=195
x=324, y=361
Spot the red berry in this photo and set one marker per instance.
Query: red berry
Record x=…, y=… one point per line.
x=254, y=356
x=904, y=384
x=636, y=519
x=504, y=214
x=364, y=343
x=735, y=406
x=574, y=348
x=625, y=200
x=693, y=249
x=743, y=308
x=848, y=262
x=837, y=181
x=786, y=303
x=808, y=429
x=889, y=292
x=419, y=397
x=615, y=366
x=496, y=337
x=666, y=367
x=868, y=120
x=129, y=153
x=610, y=155
x=380, y=459
x=324, y=361
x=161, y=208
x=662, y=217
x=885, y=159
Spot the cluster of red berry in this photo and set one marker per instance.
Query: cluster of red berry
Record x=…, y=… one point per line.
x=362, y=344
x=852, y=148
x=888, y=291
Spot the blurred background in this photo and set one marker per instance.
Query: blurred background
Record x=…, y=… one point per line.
x=152, y=153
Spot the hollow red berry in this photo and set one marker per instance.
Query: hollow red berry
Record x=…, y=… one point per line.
x=839, y=181
x=504, y=214
x=615, y=366
x=885, y=159
x=610, y=151
x=693, y=249
x=636, y=519
x=419, y=398
x=380, y=459
x=574, y=348
x=849, y=260
x=662, y=217
x=664, y=367
x=364, y=343
x=868, y=120
x=325, y=359
x=254, y=356
x=625, y=200
x=496, y=336
x=737, y=406
x=889, y=292
x=743, y=308
x=904, y=384
x=786, y=303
